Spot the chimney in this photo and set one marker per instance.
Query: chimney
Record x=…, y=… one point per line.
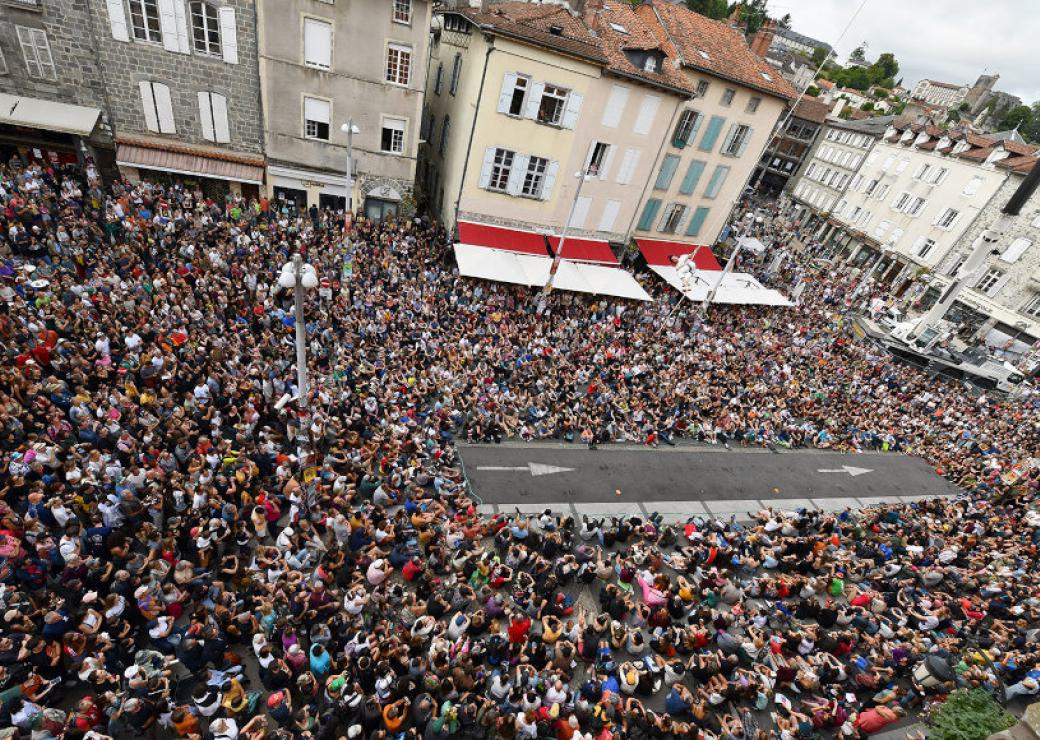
x=588, y=9
x=763, y=39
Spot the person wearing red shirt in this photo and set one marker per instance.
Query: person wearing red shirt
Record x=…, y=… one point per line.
x=518, y=628
x=411, y=569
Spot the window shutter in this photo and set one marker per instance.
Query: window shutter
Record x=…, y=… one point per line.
x=711, y=133
x=918, y=243
x=729, y=137
x=206, y=116
x=570, y=114
x=667, y=172
x=615, y=106
x=117, y=20
x=997, y=286
x=317, y=110
x=744, y=143
x=221, y=130
x=697, y=221
x=693, y=176
x=647, y=113
x=609, y=215
x=151, y=121
x=164, y=107
x=181, y=13
x=506, y=96
x=607, y=162
x=317, y=44
x=485, y=170
x=534, y=99
x=168, y=24
x=550, y=179
x=517, y=173
x=1015, y=250
x=628, y=167
x=581, y=213
x=229, y=36
x=649, y=213
x=588, y=157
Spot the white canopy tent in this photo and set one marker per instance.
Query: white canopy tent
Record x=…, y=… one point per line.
x=506, y=266
x=736, y=287
x=751, y=244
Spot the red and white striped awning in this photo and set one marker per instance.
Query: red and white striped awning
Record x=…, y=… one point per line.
x=532, y=242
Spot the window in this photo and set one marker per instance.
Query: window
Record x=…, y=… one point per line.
x=752, y=104
x=650, y=210
x=650, y=65
x=402, y=11
x=456, y=23
x=445, y=130
x=882, y=229
x=916, y=207
x=972, y=186
x=718, y=177
x=392, y=139
x=438, y=80
x=456, y=70
x=887, y=163
x=1036, y=220
x=947, y=218
x=901, y=201
x=554, y=100
x=693, y=176
x=501, y=166
x=213, y=117
x=702, y=88
x=737, y=140
x=317, y=43
x=1015, y=250
x=37, y=52
x=144, y=19
x=317, y=114
x=1032, y=308
x=882, y=191
x=534, y=178
x=988, y=283
x=727, y=96
x=3, y=63
x=205, y=29
x=667, y=171
x=870, y=186
x=926, y=248
x=516, y=96
x=672, y=218
x=398, y=64
x=697, y=221
x=903, y=164
x=158, y=107
x=598, y=157
x=686, y=128
x=711, y=133
x=922, y=172
x=939, y=175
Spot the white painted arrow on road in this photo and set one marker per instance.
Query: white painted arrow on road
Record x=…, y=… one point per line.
x=846, y=469
x=535, y=469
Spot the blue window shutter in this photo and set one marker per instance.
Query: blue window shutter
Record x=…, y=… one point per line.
x=693, y=176
x=711, y=133
x=697, y=221
x=715, y=183
x=668, y=166
x=649, y=214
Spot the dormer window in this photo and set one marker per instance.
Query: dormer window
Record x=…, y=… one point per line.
x=647, y=60
x=650, y=65
x=944, y=142
x=556, y=30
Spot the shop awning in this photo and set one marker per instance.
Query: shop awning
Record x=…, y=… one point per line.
x=531, y=242
x=18, y=110
x=658, y=252
x=520, y=268
x=184, y=160
x=736, y=287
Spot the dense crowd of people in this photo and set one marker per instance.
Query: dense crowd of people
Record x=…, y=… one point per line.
x=187, y=547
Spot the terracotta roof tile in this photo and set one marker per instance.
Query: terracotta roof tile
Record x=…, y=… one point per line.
x=978, y=155
x=1014, y=163
x=637, y=36
x=549, y=26
x=713, y=47
x=929, y=145
x=811, y=109
x=1017, y=147
x=197, y=151
x=1026, y=164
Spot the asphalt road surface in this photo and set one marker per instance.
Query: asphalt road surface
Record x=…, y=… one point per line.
x=687, y=479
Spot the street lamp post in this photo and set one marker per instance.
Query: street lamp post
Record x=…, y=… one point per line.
x=299, y=276
x=558, y=257
x=349, y=129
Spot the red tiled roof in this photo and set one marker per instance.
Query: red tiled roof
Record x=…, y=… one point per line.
x=811, y=109
x=536, y=24
x=713, y=47
x=1017, y=147
x=195, y=151
x=1018, y=163
x=979, y=154
x=637, y=36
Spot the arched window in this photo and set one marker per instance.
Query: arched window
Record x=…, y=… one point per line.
x=205, y=29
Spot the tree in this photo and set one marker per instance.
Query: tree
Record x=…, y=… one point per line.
x=868, y=106
x=716, y=9
x=859, y=54
x=818, y=55
x=968, y=714
x=886, y=66
x=753, y=13
x=785, y=22
x=812, y=91
x=1016, y=117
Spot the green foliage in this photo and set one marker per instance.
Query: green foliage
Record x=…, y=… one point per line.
x=845, y=112
x=881, y=93
x=812, y=91
x=785, y=22
x=964, y=106
x=859, y=54
x=818, y=55
x=885, y=67
x=753, y=13
x=1016, y=117
x=867, y=106
x=717, y=9
x=968, y=714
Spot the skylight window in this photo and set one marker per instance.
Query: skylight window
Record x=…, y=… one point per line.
x=619, y=28
x=766, y=77
x=704, y=53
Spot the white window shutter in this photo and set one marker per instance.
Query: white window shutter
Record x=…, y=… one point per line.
x=485, y=170
x=918, y=243
x=647, y=113
x=550, y=179
x=729, y=137
x=997, y=286
x=615, y=106
x=506, y=96
x=221, y=130
x=609, y=215
x=570, y=114
x=168, y=24
x=744, y=143
x=1015, y=250
x=151, y=121
x=117, y=20
x=206, y=116
x=164, y=106
x=180, y=10
x=581, y=212
x=534, y=99
x=516, y=174
x=607, y=161
x=229, y=35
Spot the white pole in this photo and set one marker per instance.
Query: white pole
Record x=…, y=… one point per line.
x=558, y=257
x=301, y=331
x=729, y=266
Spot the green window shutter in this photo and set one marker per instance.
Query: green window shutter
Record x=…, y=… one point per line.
x=668, y=167
x=697, y=221
x=693, y=176
x=715, y=183
x=711, y=133
x=649, y=214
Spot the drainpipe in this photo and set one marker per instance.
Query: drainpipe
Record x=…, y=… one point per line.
x=653, y=167
x=472, y=130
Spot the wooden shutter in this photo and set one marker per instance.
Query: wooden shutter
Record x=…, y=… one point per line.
x=744, y=143
x=164, y=108
x=229, y=36
x=151, y=119
x=206, y=116
x=534, y=99
x=615, y=106
x=550, y=179
x=649, y=214
x=667, y=172
x=168, y=24
x=711, y=133
x=506, y=96
x=693, y=176
x=729, y=137
x=221, y=130
x=485, y=170
x=117, y=20
x=517, y=173
x=609, y=215
x=608, y=160
x=581, y=212
x=647, y=113
x=570, y=113
x=697, y=221
x=180, y=12
x=628, y=167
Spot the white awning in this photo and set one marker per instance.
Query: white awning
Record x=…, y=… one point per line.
x=518, y=268
x=736, y=287
x=17, y=110
x=751, y=244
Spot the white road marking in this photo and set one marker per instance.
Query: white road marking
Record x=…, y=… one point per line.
x=851, y=470
x=535, y=469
